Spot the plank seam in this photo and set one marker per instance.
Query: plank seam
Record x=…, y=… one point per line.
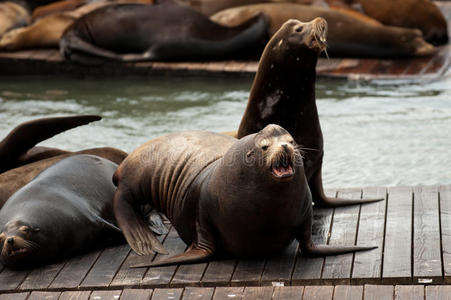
x=356, y=238
x=294, y=263
x=120, y=267
x=385, y=233
x=440, y=231
x=412, y=234
x=329, y=234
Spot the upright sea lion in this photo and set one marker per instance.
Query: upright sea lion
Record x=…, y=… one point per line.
x=12, y=15
x=245, y=198
x=66, y=209
x=421, y=14
x=348, y=35
x=14, y=147
x=283, y=93
x=134, y=32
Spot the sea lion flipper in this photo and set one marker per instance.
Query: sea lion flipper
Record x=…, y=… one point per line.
x=156, y=223
x=191, y=256
x=135, y=229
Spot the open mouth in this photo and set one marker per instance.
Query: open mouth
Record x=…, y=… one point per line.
x=15, y=252
x=283, y=168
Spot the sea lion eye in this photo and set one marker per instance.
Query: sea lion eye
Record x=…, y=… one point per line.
x=291, y=142
x=299, y=29
x=24, y=229
x=265, y=147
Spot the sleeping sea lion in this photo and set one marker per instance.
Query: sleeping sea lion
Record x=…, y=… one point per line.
x=12, y=15
x=348, y=35
x=65, y=210
x=245, y=198
x=283, y=93
x=134, y=32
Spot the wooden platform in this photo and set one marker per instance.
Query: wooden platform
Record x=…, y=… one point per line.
x=412, y=229
x=49, y=62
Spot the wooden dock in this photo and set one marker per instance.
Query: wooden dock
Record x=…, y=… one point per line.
x=412, y=229
x=50, y=62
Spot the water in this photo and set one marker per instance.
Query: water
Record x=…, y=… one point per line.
x=376, y=134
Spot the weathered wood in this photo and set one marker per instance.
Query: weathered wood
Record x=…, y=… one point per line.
x=74, y=271
x=427, y=261
x=318, y=292
x=337, y=269
x=348, y=292
x=409, y=292
x=438, y=292
x=136, y=294
x=367, y=266
x=196, y=293
x=75, y=295
x=378, y=292
x=258, y=293
x=11, y=279
x=248, y=271
x=15, y=296
x=44, y=295
x=165, y=294
x=398, y=237
x=445, y=220
x=280, y=267
x=218, y=273
x=228, y=293
x=288, y=293
x=105, y=295
x=42, y=277
x=188, y=275
x=106, y=266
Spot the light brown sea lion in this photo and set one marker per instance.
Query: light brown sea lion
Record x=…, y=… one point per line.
x=57, y=7
x=421, y=14
x=12, y=15
x=245, y=198
x=283, y=93
x=348, y=36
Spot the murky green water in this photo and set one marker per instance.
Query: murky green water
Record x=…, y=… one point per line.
x=376, y=134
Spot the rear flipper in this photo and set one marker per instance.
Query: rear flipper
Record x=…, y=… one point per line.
x=321, y=200
x=28, y=134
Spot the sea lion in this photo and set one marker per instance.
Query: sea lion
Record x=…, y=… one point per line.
x=134, y=32
x=12, y=15
x=65, y=210
x=283, y=93
x=245, y=198
x=421, y=14
x=348, y=35
x=14, y=147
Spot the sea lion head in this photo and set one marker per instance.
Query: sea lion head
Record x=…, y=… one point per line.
x=19, y=241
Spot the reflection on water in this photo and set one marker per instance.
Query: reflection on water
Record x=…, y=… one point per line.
x=375, y=134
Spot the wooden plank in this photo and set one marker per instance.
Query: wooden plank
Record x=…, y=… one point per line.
x=106, y=266
x=165, y=294
x=288, y=293
x=197, y=293
x=136, y=294
x=230, y=293
x=218, y=273
x=308, y=270
x=318, y=292
x=417, y=65
x=44, y=295
x=409, y=292
x=16, y=296
x=74, y=271
x=248, y=271
x=188, y=275
x=368, y=264
x=105, y=295
x=258, y=293
x=445, y=222
x=438, y=292
x=348, y=292
x=378, y=292
x=11, y=279
x=337, y=269
x=427, y=261
x=398, y=237
x=42, y=277
x=75, y=295
x=279, y=268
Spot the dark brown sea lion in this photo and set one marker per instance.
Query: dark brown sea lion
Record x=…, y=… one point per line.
x=283, y=93
x=348, y=35
x=246, y=198
x=134, y=32
x=14, y=147
x=12, y=15
x=65, y=210
x=421, y=14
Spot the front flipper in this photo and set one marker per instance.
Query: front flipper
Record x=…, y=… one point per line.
x=304, y=236
x=136, y=231
x=191, y=256
x=321, y=200
x=156, y=223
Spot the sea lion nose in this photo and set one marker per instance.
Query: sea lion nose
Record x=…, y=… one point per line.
x=10, y=241
x=285, y=147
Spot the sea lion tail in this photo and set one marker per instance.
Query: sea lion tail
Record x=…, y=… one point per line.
x=325, y=250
